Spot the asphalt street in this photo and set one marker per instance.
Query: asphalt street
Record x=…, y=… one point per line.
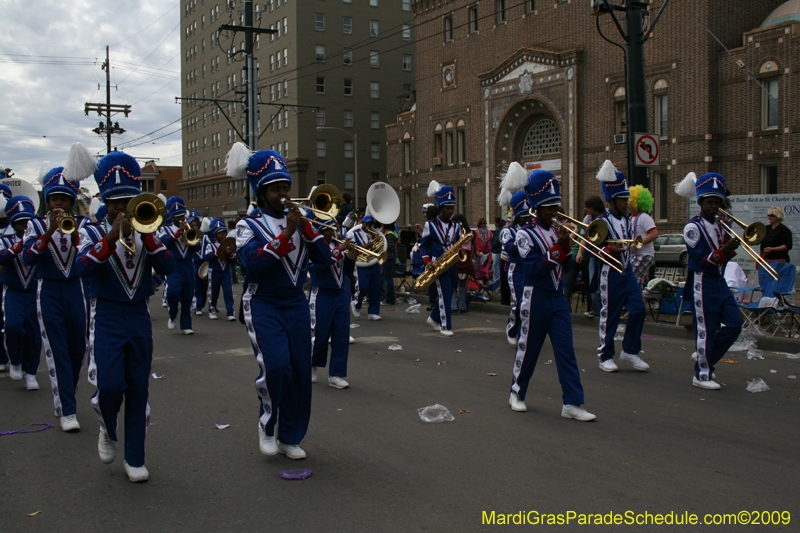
x=659, y=445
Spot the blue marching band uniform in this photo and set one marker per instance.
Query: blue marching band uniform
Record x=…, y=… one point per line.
x=200, y=283
x=219, y=271
x=6, y=230
x=180, y=284
x=368, y=278
x=438, y=236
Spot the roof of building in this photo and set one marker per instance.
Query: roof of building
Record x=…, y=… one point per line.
x=786, y=12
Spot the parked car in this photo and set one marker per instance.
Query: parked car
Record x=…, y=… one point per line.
x=671, y=249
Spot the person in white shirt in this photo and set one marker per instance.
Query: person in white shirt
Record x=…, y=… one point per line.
x=644, y=226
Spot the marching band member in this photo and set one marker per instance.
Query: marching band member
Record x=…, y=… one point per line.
x=618, y=290
x=515, y=179
x=546, y=257
x=438, y=236
x=330, y=310
x=180, y=284
x=275, y=248
x=60, y=296
x=6, y=229
x=119, y=261
x=200, y=283
x=219, y=270
x=715, y=316
x=368, y=279
x=23, y=340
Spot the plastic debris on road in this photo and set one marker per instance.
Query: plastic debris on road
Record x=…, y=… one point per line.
x=395, y=346
x=435, y=413
x=457, y=351
x=223, y=426
x=301, y=473
x=461, y=412
x=757, y=385
x=745, y=341
x=411, y=301
x=412, y=309
x=157, y=377
x=755, y=353
x=400, y=299
x=491, y=374
x=354, y=326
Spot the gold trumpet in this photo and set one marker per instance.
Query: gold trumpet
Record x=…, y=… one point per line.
x=596, y=232
x=191, y=237
x=67, y=225
x=753, y=234
x=146, y=213
x=325, y=201
x=356, y=252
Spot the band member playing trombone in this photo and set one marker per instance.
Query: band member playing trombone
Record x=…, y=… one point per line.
x=618, y=286
x=219, y=268
x=275, y=247
x=546, y=257
x=51, y=245
x=119, y=261
x=368, y=276
x=183, y=247
x=710, y=248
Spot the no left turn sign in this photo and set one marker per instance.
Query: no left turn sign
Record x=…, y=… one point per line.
x=647, y=150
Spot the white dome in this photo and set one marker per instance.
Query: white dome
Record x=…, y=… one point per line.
x=788, y=11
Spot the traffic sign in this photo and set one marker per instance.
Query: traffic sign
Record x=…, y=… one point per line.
x=647, y=150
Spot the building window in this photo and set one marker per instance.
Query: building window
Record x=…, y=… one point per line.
x=321, y=148
x=438, y=144
x=320, y=52
x=473, y=19
x=349, y=181
x=348, y=118
x=531, y=6
x=662, y=190
x=407, y=62
x=407, y=156
x=543, y=138
x=320, y=85
x=374, y=89
x=661, y=108
x=449, y=146
x=373, y=28
x=461, y=141
x=348, y=87
x=347, y=25
x=406, y=32
x=461, y=199
x=321, y=117
x=373, y=3
x=374, y=120
x=406, y=5
x=375, y=150
x=500, y=9
x=448, y=28
x=320, y=177
x=373, y=58
x=348, y=150
x=319, y=21
x=620, y=111
x=769, y=179
x=347, y=56
x=769, y=105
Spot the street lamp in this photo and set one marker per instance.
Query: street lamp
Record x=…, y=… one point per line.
x=355, y=156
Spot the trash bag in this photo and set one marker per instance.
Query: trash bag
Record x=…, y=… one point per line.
x=411, y=301
x=413, y=309
x=435, y=413
x=757, y=385
x=755, y=353
x=745, y=341
x=400, y=300
x=395, y=346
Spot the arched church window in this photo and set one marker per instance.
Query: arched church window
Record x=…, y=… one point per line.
x=543, y=138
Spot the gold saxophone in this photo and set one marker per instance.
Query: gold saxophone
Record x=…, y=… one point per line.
x=449, y=258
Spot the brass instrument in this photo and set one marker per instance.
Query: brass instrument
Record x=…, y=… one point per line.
x=191, y=236
x=753, y=234
x=376, y=246
x=146, y=213
x=324, y=201
x=222, y=251
x=596, y=232
x=636, y=243
x=444, y=262
x=67, y=225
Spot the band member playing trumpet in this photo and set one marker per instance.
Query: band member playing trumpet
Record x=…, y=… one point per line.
x=368, y=278
x=219, y=255
x=200, y=283
x=180, y=284
x=438, y=236
x=119, y=262
x=710, y=248
x=51, y=246
x=23, y=339
x=546, y=257
x=275, y=247
x=330, y=312
x=618, y=290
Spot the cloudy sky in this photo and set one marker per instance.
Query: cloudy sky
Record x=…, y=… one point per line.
x=51, y=53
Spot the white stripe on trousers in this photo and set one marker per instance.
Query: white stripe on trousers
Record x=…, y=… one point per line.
x=92, y=374
x=512, y=317
x=604, y=300
x=519, y=358
x=312, y=305
x=48, y=352
x=701, y=341
x=442, y=310
x=261, y=382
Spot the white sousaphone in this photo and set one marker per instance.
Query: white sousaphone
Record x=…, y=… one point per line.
x=384, y=206
x=21, y=187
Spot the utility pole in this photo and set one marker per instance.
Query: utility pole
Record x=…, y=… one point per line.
x=107, y=109
x=635, y=76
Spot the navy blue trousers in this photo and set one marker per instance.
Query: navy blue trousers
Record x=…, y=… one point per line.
x=714, y=305
x=442, y=311
x=368, y=284
x=200, y=289
x=618, y=291
x=23, y=337
x=545, y=313
x=221, y=279
x=180, y=290
x=516, y=278
x=279, y=324
x=3, y=354
x=120, y=359
x=330, y=319
x=62, y=320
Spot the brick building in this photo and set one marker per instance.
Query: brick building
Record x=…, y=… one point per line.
x=535, y=82
x=161, y=180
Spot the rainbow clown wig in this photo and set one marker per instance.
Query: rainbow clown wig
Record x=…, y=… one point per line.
x=641, y=199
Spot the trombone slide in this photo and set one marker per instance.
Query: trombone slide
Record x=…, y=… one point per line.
x=591, y=247
x=747, y=248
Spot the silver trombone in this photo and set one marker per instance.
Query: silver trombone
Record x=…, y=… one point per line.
x=753, y=234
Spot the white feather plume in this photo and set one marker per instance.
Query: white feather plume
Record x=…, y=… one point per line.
x=94, y=206
x=206, y=225
x=81, y=164
x=251, y=208
x=162, y=198
x=43, y=172
x=504, y=198
x=433, y=188
x=3, y=202
x=607, y=172
x=236, y=161
x=686, y=187
x=515, y=178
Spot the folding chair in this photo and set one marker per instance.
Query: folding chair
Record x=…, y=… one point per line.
x=684, y=305
x=754, y=314
x=404, y=277
x=788, y=309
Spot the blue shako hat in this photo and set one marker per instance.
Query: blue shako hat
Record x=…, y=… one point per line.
x=260, y=168
x=176, y=206
x=709, y=184
x=53, y=182
x=444, y=194
x=5, y=191
x=542, y=189
x=117, y=174
x=216, y=226
x=192, y=216
x=19, y=207
x=613, y=182
x=520, y=205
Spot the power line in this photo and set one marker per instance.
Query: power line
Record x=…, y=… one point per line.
x=140, y=31
x=153, y=52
